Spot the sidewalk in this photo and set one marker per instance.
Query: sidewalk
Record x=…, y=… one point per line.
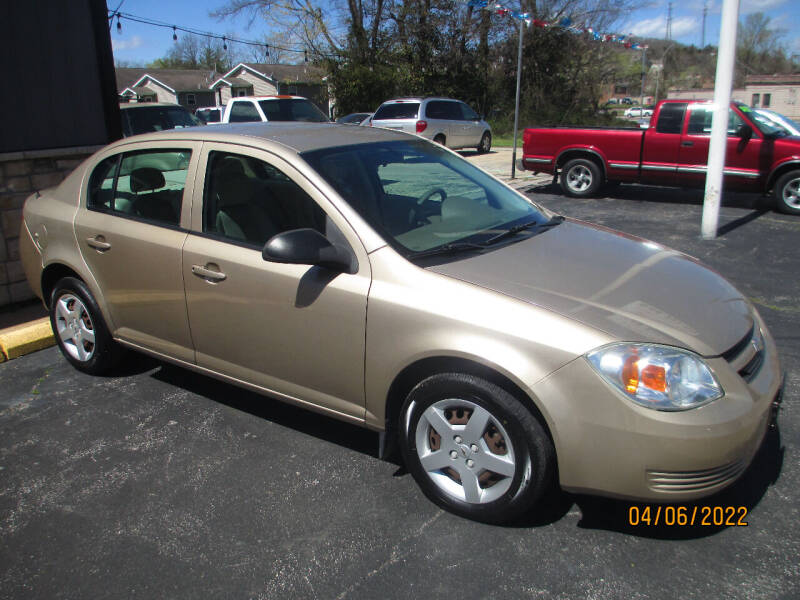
x=26, y=328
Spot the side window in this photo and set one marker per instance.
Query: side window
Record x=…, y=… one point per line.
x=700, y=117
x=469, y=114
x=670, y=117
x=248, y=200
x=453, y=111
x=243, y=112
x=101, y=184
x=700, y=120
x=150, y=185
x=436, y=110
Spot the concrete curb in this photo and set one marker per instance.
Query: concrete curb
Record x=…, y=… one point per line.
x=26, y=338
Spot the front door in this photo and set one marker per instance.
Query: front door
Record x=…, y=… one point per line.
x=295, y=330
x=131, y=226
x=741, y=155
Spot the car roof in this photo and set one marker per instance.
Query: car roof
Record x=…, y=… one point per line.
x=270, y=97
x=420, y=99
x=129, y=105
x=294, y=135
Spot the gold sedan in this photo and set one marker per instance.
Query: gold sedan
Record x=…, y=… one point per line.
x=381, y=279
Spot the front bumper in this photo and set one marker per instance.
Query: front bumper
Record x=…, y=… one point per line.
x=608, y=445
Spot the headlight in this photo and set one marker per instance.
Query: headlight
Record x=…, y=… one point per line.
x=658, y=377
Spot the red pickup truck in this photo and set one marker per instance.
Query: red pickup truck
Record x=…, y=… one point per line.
x=672, y=151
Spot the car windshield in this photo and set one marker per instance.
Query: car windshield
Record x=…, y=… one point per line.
x=397, y=110
x=156, y=118
x=292, y=109
x=764, y=123
x=420, y=197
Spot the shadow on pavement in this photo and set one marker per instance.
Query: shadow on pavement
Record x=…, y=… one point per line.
x=667, y=195
x=278, y=412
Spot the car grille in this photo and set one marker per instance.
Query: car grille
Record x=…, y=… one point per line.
x=747, y=355
x=694, y=481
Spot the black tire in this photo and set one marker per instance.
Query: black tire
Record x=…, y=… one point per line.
x=485, y=144
x=103, y=352
x=528, y=448
x=440, y=139
x=787, y=193
x=580, y=178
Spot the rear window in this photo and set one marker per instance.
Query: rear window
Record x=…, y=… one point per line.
x=401, y=110
x=292, y=109
x=156, y=118
x=670, y=118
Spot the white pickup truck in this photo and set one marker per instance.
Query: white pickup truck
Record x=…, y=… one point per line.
x=272, y=108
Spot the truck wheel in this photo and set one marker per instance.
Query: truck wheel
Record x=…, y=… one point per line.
x=580, y=178
x=787, y=193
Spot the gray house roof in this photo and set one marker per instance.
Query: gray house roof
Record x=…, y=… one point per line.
x=181, y=80
x=305, y=73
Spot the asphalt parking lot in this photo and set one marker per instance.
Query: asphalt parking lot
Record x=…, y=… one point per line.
x=158, y=482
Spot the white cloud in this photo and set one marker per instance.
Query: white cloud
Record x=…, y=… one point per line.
x=657, y=27
x=748, y=6
x=131, y=44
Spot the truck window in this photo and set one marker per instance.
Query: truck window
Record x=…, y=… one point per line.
x=244, y=111
x=670, y=117
x=700, y=116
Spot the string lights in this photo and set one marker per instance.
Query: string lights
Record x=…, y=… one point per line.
x=207, y=34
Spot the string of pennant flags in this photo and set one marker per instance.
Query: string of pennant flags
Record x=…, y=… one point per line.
x=563, y=23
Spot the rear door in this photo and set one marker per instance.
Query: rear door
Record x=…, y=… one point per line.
x=661, y=145
x=131, y=226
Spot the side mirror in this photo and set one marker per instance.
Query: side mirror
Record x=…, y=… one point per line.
x=745, y=132
x=308, y=247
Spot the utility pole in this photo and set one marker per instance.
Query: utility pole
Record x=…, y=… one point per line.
x=705, y=13
x=719, y=123
x=516, y=106
x=641, y=98
x=669, y=21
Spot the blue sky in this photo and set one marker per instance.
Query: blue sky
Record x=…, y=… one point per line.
x=144, y=43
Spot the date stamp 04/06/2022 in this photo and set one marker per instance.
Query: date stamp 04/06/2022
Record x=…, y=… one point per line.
x=687, y=516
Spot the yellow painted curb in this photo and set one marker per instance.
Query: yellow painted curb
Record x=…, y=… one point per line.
x=26, y=338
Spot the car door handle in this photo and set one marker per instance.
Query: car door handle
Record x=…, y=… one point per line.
x=208, y=274
x=99, y=243
x=687, y=143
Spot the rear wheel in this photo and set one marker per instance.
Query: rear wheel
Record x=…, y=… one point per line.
x=79, y=328
x=486, y=143
x=473, y=448
x=440, y=139
x=580, y=178
x=787, y=193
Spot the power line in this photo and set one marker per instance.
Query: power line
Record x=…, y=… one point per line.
x=207, y=34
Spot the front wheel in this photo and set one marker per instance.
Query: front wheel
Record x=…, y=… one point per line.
x=486, y=143
x=787, y=193
x=580, y=178
x=474, y=449
x=79, y=328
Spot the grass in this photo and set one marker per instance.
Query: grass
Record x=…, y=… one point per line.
x=506, y=140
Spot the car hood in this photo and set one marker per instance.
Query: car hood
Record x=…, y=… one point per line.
x=628, y=287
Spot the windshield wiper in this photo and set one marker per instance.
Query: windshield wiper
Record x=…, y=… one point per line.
x=449, y=248
x=555, y=220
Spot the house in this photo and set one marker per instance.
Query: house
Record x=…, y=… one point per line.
x=187, y=87
x=195, y=88
x=780, y=93
x=260, y=79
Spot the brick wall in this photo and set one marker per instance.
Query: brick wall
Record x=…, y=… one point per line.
x=22, y=173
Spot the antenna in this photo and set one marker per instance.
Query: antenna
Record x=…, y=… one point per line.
x=705, y=12
x=669, y=21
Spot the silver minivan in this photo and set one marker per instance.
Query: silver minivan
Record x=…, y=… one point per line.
x=448, y=122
